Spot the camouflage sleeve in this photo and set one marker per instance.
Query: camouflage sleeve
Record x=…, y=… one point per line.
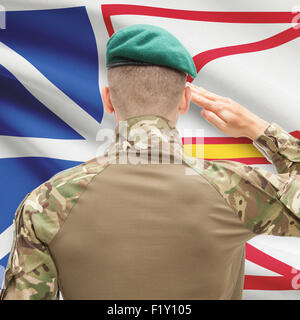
x=280, y=148
x=30, y=273
x=267, y=203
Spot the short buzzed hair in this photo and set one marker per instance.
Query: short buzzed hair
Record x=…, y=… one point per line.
x=140, y=90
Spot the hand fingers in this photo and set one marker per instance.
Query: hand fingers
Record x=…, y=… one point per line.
x=213, y=119
x=206, y=103
x=201, y=101
x=205, y=93
x=221, y=107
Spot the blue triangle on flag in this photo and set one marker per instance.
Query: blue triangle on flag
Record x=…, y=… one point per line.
x=61, y=44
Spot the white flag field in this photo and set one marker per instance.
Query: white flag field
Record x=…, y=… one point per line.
x=52, y=68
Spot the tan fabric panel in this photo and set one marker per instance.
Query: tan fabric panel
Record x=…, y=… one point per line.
x=150, y=232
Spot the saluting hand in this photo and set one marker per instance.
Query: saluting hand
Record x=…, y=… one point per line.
x=227, y=115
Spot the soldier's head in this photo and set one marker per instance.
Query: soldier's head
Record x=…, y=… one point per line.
x=139, y=90
x=147, y=73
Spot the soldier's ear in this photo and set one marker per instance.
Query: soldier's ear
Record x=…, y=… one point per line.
x=107, y=104
x=184, y=104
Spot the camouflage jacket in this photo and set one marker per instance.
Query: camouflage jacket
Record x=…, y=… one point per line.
x=267, y=203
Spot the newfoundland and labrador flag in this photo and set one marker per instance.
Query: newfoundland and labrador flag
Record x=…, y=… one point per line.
x=52, y=67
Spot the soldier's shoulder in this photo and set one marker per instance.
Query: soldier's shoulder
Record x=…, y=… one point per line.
x=68, y=182
x=207, y=167
x=229, y=175
x=222, y=174
x=81, y=171
x=230, y=167
x=49, y=204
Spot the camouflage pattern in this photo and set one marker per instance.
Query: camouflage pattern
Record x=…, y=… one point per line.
x=267, y=203
x=147, y=135
x=31, y=273
x=280, y=148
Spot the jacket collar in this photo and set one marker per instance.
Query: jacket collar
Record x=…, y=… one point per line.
x=147, y=132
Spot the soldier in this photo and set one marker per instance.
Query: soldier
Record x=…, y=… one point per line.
x=143, y=229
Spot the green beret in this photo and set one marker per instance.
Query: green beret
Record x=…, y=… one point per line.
x=144, y=44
